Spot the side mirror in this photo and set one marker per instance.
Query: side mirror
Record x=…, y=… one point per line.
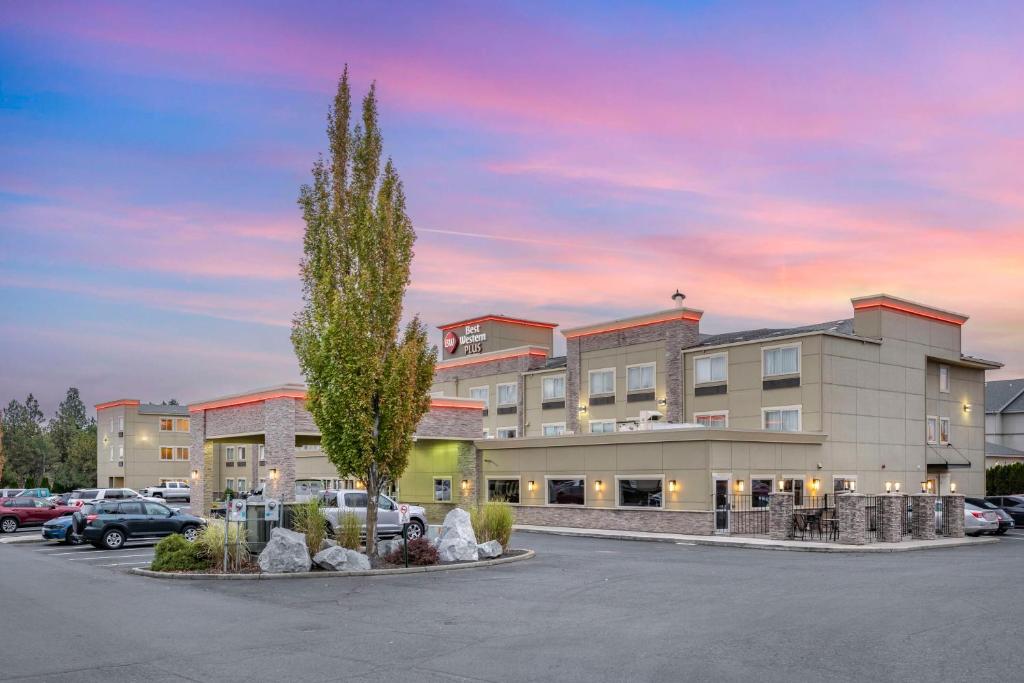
x=171, y=513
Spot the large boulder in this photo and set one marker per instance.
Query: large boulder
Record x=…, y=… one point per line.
x=338, y=559
x=286, y=552
x=327, y=543
x=385, y=548
x=457, y=542
x=489, y=550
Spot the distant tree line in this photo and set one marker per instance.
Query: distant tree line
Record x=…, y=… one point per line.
x=59, y=453
x=1005, y=480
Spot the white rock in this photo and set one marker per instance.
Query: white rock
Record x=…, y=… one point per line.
x=356, y=561
x=285, y=552
x=489, y=550
x=457, y=542
x=338, y=559
x=327, y=543
x=385, y=548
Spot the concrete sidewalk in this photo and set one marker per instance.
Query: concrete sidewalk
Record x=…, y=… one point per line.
x=758, y=543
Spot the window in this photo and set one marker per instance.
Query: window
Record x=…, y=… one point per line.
x=262, y=454
x=602, y=381
x=508, y=394
x=111, y=424
x=229, y=454
x=711, y=368
x=120, y=423
x=111, y=454
x=166, y=424
x=181, y=453
x=120, y=453
x=780, y=360
x=442, y=489
x=156, y=509
x=229, y=484
x=553, y=429
x=640, y=377
x=796, y=487
x=131, y=508
x=166, y=453
x=181, y=424
x=944, y=379
x=944, y=430
x=241, y=485
x=553, y=388
x=506, y=432
x=639, y=492
x=760, y=491
x=503, y=489
x=781, y=419
x=481, y=394
x=932, y=429
x=355, y=500
x=843, y=482
x=567, y=491
x=241, y=454
x=602, y=426
x=713, y=420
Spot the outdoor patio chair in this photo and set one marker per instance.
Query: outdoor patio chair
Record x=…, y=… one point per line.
x=799, y=525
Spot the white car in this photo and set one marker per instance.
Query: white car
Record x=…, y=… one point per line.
x=83, y=496
x=340, y=502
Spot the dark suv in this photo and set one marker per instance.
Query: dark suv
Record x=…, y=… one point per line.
x=1014, y=506
x=108, y=524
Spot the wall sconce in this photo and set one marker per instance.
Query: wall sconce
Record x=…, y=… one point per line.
x=739, y=486
x=896, y=486
x=782, y=485
x=273, y=474
x=888, y=487
x=195, y=475
x=144, y=437
x=598, y=485
x=852, y=486
x=531, y=485
x=582, y=408
x=360, y=485
x=465, y=484
x=673, y=486
x=967, y=407
x=815, y=485
x=662, y=401
x=952, y=487
x=924, y=487
x=928, y=485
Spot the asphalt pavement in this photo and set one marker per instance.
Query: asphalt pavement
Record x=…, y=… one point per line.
x=582, y=610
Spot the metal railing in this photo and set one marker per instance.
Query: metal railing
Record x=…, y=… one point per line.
x=744, y=514
x=905, y=518
x=873, y=521
x=944, y=523
x=814, y=520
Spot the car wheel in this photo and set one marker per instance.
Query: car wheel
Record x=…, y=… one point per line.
x=1000, y=532
x=113, y=539
x=191, y=533
x=158, y=495
x=415, y=530
x=9, y=525
x=976, y=534
x=69, y=536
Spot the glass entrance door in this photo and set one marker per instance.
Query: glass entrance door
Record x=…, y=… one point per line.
x=721, y=505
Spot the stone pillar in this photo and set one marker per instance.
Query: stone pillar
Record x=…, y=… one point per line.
x=852, y=514
x=471, y=472
x=572, y=385
x=953, y=515
x=890, y=517
x=200, y=462
x=279, y=434
x=922, y=523
x=780, y=516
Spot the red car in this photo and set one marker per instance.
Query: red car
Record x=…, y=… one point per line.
x=16, y=512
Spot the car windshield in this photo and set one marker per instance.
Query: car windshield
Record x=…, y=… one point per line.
x=982, y=504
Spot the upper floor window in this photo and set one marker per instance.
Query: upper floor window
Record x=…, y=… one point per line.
x=602, y=381
x=931, y=429
x=166, y=424
x=263, y=454
x=553, y=429
x=640, y=377
x=181, y=424
x=715, y=420
x=602, y=426
x=120, y=423
x=166, y=453
x=241, y=454
x=943, y=430
x=944, y=379
x=781, y=360
x=711, y=368
x=781, y=419
x=553, y=388
x=508, y=394
x=229, y=454
x=506, y=432
x=480, y=394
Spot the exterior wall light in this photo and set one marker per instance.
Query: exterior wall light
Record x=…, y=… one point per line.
x=739, y=486
x=598, y=485
x=924, y=487
x=582, y=408
x=195, y=475
x=928, y=485
x=673, y=486
x=896, y=486
x=465, y=484
x=273, y=474
x=888, y=487
x=853, y=486
x=782, y=485
x=531, y=485
x=967, y=407
x=360, y=485
x=952, y=487
x=815, y=485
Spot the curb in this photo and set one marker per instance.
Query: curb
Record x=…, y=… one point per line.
x=324, y=575
x=25, y=539
x=870, y=548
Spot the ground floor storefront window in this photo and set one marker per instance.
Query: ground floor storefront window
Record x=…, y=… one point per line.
x=506, y=490
x=640, y=492
x=442, y=489
x=567, y=491
x=760, y=492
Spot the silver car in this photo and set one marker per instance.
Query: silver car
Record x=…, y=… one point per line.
x=343, y=501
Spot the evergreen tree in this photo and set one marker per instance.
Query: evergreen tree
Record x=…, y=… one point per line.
x=368, y=381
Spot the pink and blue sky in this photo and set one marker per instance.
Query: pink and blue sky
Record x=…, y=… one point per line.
x=571, y=162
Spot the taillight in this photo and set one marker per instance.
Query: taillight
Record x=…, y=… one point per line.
x=978, y=514
x=89, y=519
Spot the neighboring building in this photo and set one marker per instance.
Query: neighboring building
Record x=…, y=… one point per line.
x=141, y=444
x=1004, y=421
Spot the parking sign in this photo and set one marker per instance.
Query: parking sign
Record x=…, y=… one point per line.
x=403, y=513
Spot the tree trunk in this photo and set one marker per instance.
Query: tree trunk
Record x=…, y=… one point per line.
x=372, y=494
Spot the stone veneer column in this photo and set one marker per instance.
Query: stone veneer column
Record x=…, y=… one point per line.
x=780, y=516
x=572, y=385
x=890, y=517
x=922, y=523
x=200, y=460
x=953, y=515
x=679, y=335
x=851, y=512
x=470, y=470
x=279, y=434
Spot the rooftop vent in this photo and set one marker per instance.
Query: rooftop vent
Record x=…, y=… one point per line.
x=678, y=298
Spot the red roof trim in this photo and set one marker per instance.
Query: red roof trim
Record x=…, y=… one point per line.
x=248, y=398
x=685, y=315
x=950, y=318
x=456, y=403
x=460, y=362
x=499, y=319
x=114, y=404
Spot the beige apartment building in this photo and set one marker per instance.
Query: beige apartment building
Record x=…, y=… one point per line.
x=1004, y=422
x=141, y=444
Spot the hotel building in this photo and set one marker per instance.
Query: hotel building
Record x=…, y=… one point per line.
x=141, y=444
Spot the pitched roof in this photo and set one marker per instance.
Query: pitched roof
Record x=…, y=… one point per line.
x=1004, y=396
x=999, y=449
x=844, y=326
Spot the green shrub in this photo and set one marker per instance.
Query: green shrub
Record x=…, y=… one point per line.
x=228, y=493
x=174, y=553
x=45, y=483
x=1004, y=480
x=350, y=529
x=493, y=521
x=308, y=519
x=421, y=553
x=30, y=483
x=210, y=542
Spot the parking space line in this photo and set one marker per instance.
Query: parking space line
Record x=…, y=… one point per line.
x=79, y=559
x=123, y=564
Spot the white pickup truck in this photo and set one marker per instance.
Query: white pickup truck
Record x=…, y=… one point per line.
x=340, y=502
x=169, y=490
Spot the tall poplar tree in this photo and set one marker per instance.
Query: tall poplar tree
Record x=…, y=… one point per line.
x=368, y=380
